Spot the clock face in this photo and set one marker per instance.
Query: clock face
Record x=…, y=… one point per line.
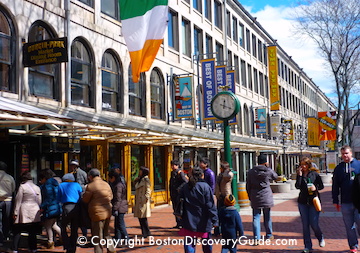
x=224, y=105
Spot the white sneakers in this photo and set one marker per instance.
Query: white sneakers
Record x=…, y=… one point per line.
x=322, y=243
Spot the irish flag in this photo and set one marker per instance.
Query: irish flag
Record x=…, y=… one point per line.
x=143, y=27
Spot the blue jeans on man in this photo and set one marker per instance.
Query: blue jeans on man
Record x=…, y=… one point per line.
x=120, y=227
x=310, y=217
x=267, y=222
x=351, y=220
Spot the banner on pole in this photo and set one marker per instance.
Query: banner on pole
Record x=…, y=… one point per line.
x=184, y=102
x=209, y=87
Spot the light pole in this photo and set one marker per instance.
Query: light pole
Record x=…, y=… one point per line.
x=284, y=139
x=301, y=138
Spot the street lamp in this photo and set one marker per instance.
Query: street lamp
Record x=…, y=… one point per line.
x=284, y=138
x=301, y=138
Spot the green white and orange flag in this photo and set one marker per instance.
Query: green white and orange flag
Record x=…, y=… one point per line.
x=143, y=26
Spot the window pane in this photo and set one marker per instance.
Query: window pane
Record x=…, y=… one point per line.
x=157, y=95
x=41, y=85
x=79, y=94
x=137, y=160
x=110, y=7
x=159, y=168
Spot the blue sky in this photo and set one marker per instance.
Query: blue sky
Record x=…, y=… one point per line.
x=276, y=17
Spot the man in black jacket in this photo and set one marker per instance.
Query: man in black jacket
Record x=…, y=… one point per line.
x=177, y=180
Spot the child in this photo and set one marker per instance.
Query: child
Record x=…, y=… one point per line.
x=231, y=224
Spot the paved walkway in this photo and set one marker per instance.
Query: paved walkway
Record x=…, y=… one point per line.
x=286, y=226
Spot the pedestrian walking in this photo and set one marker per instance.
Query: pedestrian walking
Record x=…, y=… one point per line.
x=27, y=212
x=309, y=182
x=199, y=212
x=142, y=209
x=261, y=196
x=177, y=180
x=50, y=207
x=120, y=204
x=70, y=195
x=231, y=223
x=7, y=189
x=343, y=177
x=98, y=195
x=209, y=175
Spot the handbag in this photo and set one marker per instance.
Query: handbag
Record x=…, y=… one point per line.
x=317, y=203
x=179, y=209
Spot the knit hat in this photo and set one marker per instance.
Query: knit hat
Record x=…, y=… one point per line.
x=262, y=159
x=68, y=177
x=229, y=200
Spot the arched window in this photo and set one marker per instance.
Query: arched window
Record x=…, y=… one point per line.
x=157, y=94
x=137, y=98
x=110, y=80
x=246, y=120
x=44, y=80
x=240, y=121
x=81, y=69
x=7, y=53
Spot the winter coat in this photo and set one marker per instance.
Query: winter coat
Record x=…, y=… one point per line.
x=199, y=211
x=98, y=195
x=258, y=186
x=119, y=200
x=142, y=207
x=223, y=184
x=231, y=224
x=301, y=183
x=27, y=203
x=50, y=205
x=209, y=177
x=342, y=181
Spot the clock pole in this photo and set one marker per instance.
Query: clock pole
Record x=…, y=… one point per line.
x=227, y=155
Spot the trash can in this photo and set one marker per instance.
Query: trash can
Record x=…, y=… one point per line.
x=242, y=195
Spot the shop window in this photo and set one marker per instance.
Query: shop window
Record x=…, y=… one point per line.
x=159, y=168
x=137, y=98
x=137, y=160
x=7, y=53
x=81, y=81
x=157, y=95
x=43, y=79
x=111, y=80
x=110, y=8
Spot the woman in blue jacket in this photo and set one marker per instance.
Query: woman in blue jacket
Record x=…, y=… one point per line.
x=199, y=211
x=50, y=207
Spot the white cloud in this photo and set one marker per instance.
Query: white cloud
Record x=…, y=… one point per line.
x=277, y=22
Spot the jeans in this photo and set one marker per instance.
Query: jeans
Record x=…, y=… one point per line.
x=120, y=228
x=190, y=248
x=267, y=222
x=310, y=217
x=352, y=222
x=5, y=209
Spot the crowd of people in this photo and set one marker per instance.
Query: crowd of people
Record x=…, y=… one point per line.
x=203, y=204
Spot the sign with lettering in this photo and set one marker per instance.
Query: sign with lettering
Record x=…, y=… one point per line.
x=184, y=103
x=209, y=87
x=273, y=79
x=45, y=52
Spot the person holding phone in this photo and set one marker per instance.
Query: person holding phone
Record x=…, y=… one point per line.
x=309, y=182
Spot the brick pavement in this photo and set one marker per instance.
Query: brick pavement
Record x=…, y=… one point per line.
x=286, y=226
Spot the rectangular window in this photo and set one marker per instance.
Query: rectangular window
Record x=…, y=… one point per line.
x=266, y=87
x=254, y=52
x=198, y=41
x=209, y=46
x=88, y=2
x=137, y=160
x=229, y=58
x=243, y=73
x=186, y=43
x=110, y=8
x=248, y=45
x=173, y=38
x=241, y=35
x=217, y=14
x=260, y=54
x=235, y=29
x=228, y=23
x=237, y=70
x=265, y=55
x=159, y=168
x=207, y=9
x=197, y=5
x=261, y=84
x=256, y=83
x=219, y=53
x=250, y=81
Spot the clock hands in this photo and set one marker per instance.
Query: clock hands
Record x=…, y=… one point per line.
x=224, y=105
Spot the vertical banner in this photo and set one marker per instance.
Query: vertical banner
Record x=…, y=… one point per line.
x=331, y=161
x=290, y=127
x=209, y=87
x=313, y=132
x=260, y=120
x=273, y=79
x=184, y=102
x=274, y=126
x=327, y=126
x=230, y=83
x=220, y=77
